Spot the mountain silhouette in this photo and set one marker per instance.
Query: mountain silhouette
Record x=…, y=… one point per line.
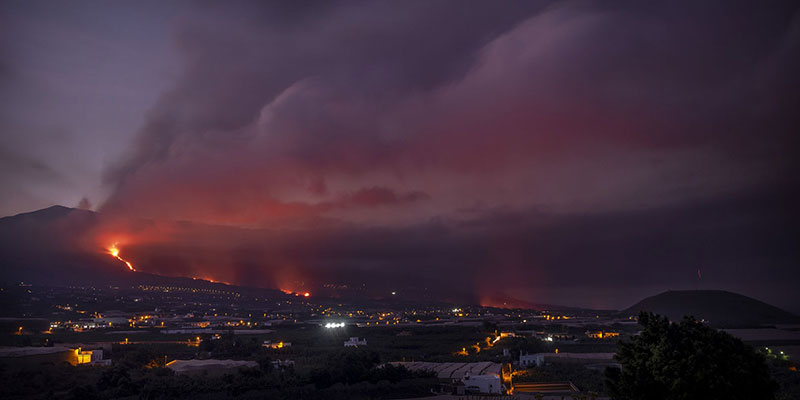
x=718, y=308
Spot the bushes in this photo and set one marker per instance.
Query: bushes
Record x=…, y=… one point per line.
x=345, y=374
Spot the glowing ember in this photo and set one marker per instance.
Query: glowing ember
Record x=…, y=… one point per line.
x=306, y=294
x=211, y=280
x=114, y=251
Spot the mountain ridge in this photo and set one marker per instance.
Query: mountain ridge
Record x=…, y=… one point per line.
x=31, y=251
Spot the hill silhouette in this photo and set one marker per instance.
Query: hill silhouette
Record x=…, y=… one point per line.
x=45, y=247
x=718, y=308
x=60, y=246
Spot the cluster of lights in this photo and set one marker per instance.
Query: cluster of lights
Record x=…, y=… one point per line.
x=330, y=325
x=168, y=289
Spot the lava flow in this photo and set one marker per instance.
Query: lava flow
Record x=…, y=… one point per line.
x=289, y=292
x=114, y=251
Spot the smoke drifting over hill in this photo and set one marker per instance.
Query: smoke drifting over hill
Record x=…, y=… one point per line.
x=551, y=151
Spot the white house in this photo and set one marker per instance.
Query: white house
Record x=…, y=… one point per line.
x=488, y=384
x=355, y=342
x=91, y=357
x=526, y=360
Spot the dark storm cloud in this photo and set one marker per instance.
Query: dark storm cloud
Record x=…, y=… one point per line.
x=378, y=50
x=491, y=146
x=20, y=173
x=74, y=80
x=21, y=167
x=631, y=128
x=743, y=241
x=378, y=94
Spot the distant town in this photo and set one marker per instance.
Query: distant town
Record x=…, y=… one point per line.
x=458, y=349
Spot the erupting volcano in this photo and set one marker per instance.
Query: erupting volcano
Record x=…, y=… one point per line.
x=114, y=251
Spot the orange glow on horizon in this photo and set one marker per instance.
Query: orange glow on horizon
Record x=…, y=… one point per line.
x=114, y=251
x=202, y=278
x=296, y=294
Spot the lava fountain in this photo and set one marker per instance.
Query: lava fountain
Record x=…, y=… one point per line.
x=114, y=251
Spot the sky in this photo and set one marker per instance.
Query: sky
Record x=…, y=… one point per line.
x=572, y=152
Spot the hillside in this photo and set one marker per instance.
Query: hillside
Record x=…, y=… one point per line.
x=46, y=247
x=717, y=307
x=61, y=246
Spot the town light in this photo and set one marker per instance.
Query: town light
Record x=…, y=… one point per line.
x=330, y=325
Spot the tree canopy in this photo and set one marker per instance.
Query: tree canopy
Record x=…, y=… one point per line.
x=687, y=360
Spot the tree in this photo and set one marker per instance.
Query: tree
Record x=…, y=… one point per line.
x=346, y=366
x=687, y=360
x=265, y=363
x=490, y=327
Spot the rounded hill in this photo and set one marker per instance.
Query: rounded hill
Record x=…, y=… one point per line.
x=718, y=308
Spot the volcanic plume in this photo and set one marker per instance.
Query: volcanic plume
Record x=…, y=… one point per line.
x=566, y=152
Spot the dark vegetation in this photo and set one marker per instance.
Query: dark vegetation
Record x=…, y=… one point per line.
x=788, y=378
x=587, y=380
x=687, y=360
x=345, y=374
x=323, y=369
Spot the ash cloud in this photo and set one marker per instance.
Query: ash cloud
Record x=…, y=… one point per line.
x=619, y=131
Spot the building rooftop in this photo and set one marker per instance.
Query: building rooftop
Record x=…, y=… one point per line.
x=454, y=370
x=578, y=356
x=196, y=365
x=30, y=351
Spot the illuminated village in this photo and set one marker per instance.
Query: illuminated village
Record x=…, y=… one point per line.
x=469, y=349
x=196, y=327
x=95, y=326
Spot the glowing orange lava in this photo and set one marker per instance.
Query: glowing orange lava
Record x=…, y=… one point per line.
x=212, y=280
x=114, y=251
